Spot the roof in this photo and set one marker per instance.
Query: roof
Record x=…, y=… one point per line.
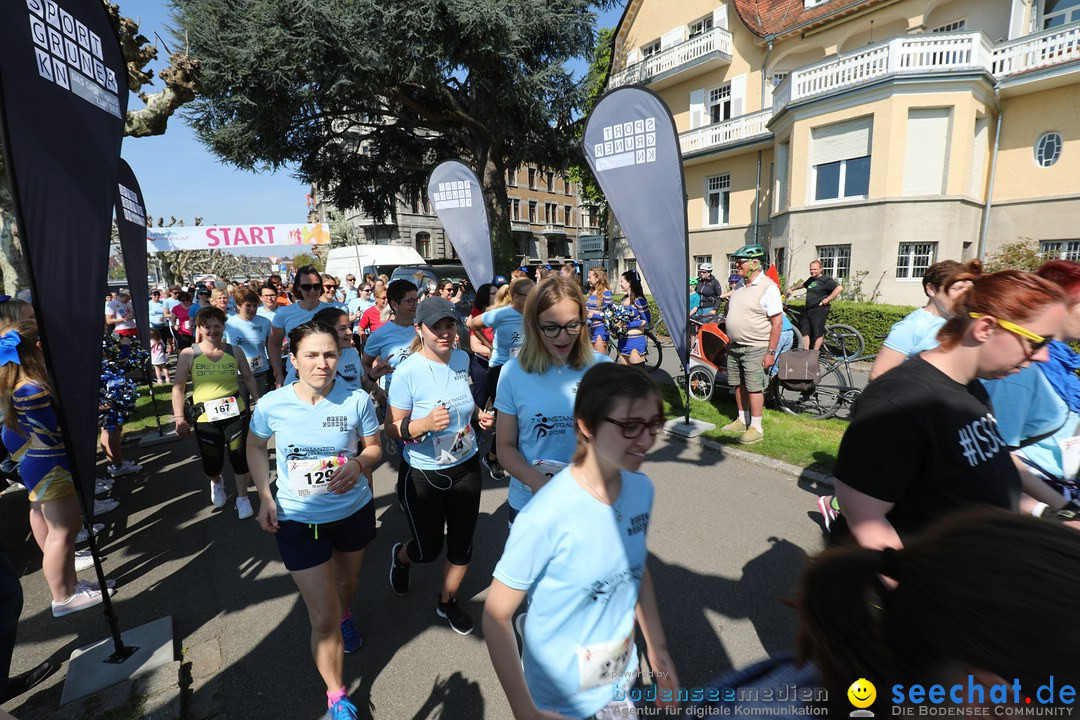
x=779, y=17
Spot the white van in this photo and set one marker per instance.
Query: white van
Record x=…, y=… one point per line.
x=363, y=259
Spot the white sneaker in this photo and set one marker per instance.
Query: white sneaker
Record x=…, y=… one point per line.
x=105, y=506
x=83, y=560
x=243, y=508
x=81, y=537
x=125, y=468
x=217, y=494
x=82, y=599
x=102, y=486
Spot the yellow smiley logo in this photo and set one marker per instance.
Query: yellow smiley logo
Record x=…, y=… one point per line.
x=862, y=693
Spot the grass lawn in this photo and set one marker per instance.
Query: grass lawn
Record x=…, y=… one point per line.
x=797, y=440
x=143, y=419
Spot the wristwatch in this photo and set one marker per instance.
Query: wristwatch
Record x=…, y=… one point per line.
x=772, y=352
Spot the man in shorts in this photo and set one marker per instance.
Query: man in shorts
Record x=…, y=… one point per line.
x=754, y=321
x=821, y=290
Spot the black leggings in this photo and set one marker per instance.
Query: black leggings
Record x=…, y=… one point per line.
x=216, y=438
x=449, y=496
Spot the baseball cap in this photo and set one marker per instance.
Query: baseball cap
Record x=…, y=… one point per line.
x=499, y=281
x=705, y=266
x=433, y=310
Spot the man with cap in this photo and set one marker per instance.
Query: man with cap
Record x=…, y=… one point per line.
x=754, y=322
x=709, y=289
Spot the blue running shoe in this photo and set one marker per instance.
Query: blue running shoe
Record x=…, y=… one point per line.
x=353, y=638
x=342, y=710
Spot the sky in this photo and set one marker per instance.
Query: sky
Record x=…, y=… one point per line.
x=180, y=177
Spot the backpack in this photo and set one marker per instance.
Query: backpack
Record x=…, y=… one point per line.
x=799, y=370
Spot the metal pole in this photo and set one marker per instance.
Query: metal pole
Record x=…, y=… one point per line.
x=153, y=400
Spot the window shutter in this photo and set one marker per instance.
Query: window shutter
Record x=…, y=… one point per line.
x=738, y=95
x=979, y=153
x=925, y=154
x=720, y=16
x=633, y=57
x=841, y=141
x=673, y=38
x=697, y=108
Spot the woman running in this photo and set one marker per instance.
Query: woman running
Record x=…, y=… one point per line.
x=431, y=411
x=924, y=442
x=31, y=433
x=323, y=516
x=375, y=316
x=220, y=415
x=505, y=322
x=634, y=346
x=308, y=287
x=183, y=322
x=481, y=344
x=578, y=550
x=535, y=435
x=598, y=300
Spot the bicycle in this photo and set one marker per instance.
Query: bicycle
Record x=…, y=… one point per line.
x=835, y=390
x=841, y=341
x=653, y=353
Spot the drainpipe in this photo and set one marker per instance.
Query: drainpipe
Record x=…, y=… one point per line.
x=757, y=197
x=993, y=171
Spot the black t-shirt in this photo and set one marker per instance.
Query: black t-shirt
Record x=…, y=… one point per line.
x=927, y=444
x=710, y=292
x=819, y=288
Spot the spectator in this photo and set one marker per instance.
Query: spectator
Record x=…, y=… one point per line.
x=709, y=289
x=821, y=290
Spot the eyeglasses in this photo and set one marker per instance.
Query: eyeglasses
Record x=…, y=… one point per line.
x=307, y=287
x=1035, y=342
x=571, y=328
x=632, y=429
x=408, y=301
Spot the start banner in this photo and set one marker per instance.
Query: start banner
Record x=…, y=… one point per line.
x=235, y=237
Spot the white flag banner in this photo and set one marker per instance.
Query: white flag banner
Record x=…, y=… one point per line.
x=458, y=199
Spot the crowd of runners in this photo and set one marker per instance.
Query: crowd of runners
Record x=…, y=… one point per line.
x=305, y=388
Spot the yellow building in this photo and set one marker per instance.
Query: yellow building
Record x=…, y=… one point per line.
x=877, y=135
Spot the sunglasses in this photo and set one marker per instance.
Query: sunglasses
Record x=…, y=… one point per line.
x=307, y=287
x=571, y=328
x=1035, y=342
x=329, y=287
x=632, y=429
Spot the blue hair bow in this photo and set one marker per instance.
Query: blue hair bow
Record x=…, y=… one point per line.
x=9, y=343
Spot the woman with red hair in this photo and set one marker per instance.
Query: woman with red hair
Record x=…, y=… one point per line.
x=924, y=442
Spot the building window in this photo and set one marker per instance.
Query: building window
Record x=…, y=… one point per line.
x=912, y=260
x=532, y=211
x=835, y=260
x=1060, y=12
x=841, y=159
x=698, y=260
x=631, y=265
x=700, y=27
x=647, y=51
x=511, y=177
x=1048, y=149
x=813, y=3
x=423, y=244
x=568, y=216
x=955, y=26
x=842, y=179
x=551, y=182
x=720, y=103
x=515, y=209
x=566, y=185
x=1060, y=249
x=532, y=178
x=717, y=199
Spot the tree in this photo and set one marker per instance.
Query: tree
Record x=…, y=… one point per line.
x=595, y=85
x=181, y=83
x=302, y=259
x=1023, y=254
x=363, y=97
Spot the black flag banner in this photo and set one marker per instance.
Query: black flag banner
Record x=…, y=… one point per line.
x=131, y=224
x=631, y=145
x=458, y=199
x=63, y=99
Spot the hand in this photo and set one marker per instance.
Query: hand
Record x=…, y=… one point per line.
x=664, y=675
x=279, y=380
x=438, y=420
x=379, y=368
x=183, y=429
x=768, y=361
x=486, y=420
x=267, y=515
x=345, y=477
x=825, y=301
x=378, y=395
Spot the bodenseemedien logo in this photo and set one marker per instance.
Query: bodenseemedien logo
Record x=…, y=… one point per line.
x=862, y=695
x=973, y=698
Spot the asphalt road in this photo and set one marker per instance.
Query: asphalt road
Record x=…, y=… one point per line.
x=727, y=542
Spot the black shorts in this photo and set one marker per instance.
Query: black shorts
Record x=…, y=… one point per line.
x=492, y=381
x=812, y=323
x=304, y=546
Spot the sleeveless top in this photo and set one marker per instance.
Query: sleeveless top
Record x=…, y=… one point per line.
x=596, y=304
x=214, y=380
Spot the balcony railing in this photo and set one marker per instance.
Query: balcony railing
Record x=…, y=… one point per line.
x=1051, y=47
x=554, y=229
x=716, y=40
x=727, y=132
x=520, y=226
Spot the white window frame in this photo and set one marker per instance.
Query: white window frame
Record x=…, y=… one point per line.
x=954, y=26
x=912, y=260
x=423, y=244
x=719, y=97
x=1060, y=249
x=840, y=184
x=835, y=260
x=1041, y=160
x=1070, y=14
x=699, y=259
x=719, y=185
x=700, y=26
x=653, y=48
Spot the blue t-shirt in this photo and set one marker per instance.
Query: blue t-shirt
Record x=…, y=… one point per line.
x=544, y=407
x=915, y=333
x=356, y=306
x=330, y=428
x=250, y=336
x=289, y=316
x=509, y=334
x=349, y=369
x=391, y=342
x=350, y=293
x=268, y=314
x=170, y=303
x=421, y=384
x=695, y=301
x=581, y=562
x=157, y=312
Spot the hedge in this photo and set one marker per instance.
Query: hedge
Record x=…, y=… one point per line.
x=871, y=319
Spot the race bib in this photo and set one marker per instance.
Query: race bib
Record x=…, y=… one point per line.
x=311, y=477
x=603, y=663
x=1070, y=457
x=452, y=449
x=514, y=352
x=548, y=468
x=222, y=409
x=256, y=363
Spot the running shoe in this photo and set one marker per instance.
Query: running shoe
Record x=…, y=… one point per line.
x=494, y=469
x=243, y=508
x=83, y=560
x=342, y=710
x=829, y=509
x=125, y=468
x=102, y=486
x=82, y=537
x=105, y=506
x=353, y=638
x=82, y=599
x=736, y=427
x=399, y=572
x=217, y=494
x=459, y=620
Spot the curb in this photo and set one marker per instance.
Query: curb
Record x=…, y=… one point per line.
x=746, y=456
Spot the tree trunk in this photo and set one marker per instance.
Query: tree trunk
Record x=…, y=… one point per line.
x=13, y=274
x=493, y=179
